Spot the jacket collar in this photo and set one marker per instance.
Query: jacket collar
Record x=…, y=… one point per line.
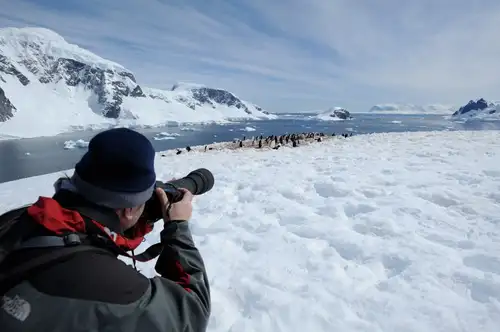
x=71, y=200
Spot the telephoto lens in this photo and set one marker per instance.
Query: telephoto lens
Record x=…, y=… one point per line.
x=197, y=182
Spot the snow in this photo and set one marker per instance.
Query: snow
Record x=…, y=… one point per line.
x=187, y=86
x=327, y=117
x=188, y=129
x=380, y=233
x=6, y=137
x=164, y=135
x=396, y=108
x=69, y=145
x=47, y=111
x=149, y=111
x=71, y=108
x=248, y=129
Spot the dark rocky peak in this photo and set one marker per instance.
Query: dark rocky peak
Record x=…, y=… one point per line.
x=211, y=96
x=258, y=108
x=109, y=85
x=208, y=95
x=8, y=68
x=137, y=92
x=127, y=74
x=472, y=105
x=75, y=72
x=6, y=107
x=159, y=94
x=34, y=58
x=335, y=112
x=341, y=113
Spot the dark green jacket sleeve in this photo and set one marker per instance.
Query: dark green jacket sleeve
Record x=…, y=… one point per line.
x=179, y=300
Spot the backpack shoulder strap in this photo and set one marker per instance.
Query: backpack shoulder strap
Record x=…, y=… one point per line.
x=69, y=240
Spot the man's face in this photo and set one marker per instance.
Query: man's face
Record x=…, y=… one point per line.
x=130, y=216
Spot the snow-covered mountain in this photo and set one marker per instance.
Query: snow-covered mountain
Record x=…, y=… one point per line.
x=334, y=114
x=478, y=109
x=411, y=109
x=48, y=86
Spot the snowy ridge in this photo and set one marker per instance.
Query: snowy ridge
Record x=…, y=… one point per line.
x=411, y=109
x=383, y=233
x=15, y=44
x=42, y=77
x=186, y=86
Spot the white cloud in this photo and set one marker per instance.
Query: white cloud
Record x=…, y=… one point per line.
x=292, y=55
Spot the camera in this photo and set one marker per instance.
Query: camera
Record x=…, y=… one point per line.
x=197, y=182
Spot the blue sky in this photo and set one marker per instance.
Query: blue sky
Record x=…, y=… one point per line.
x=290, y=55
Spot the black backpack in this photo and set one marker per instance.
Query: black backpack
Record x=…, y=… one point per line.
x=14, y=226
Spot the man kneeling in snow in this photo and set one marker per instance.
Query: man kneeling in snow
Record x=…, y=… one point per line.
x=72, y=240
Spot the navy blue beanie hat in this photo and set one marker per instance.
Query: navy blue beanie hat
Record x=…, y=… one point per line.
x=118, y=169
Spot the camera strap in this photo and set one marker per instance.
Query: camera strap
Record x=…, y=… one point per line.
x=153, y=251
x=101, y=238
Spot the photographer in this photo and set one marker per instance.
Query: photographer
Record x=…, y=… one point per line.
x=72, y=279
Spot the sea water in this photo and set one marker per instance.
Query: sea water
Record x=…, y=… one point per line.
x=22, y=158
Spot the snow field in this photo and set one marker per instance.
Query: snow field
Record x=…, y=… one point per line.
x=382, y=232
x=42, y=111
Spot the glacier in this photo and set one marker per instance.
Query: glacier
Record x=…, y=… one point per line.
x=49, y=86
x=399, y=108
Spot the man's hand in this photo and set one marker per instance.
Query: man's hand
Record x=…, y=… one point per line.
x=181, y=210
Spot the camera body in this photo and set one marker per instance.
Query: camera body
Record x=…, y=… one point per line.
x=197, y=182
